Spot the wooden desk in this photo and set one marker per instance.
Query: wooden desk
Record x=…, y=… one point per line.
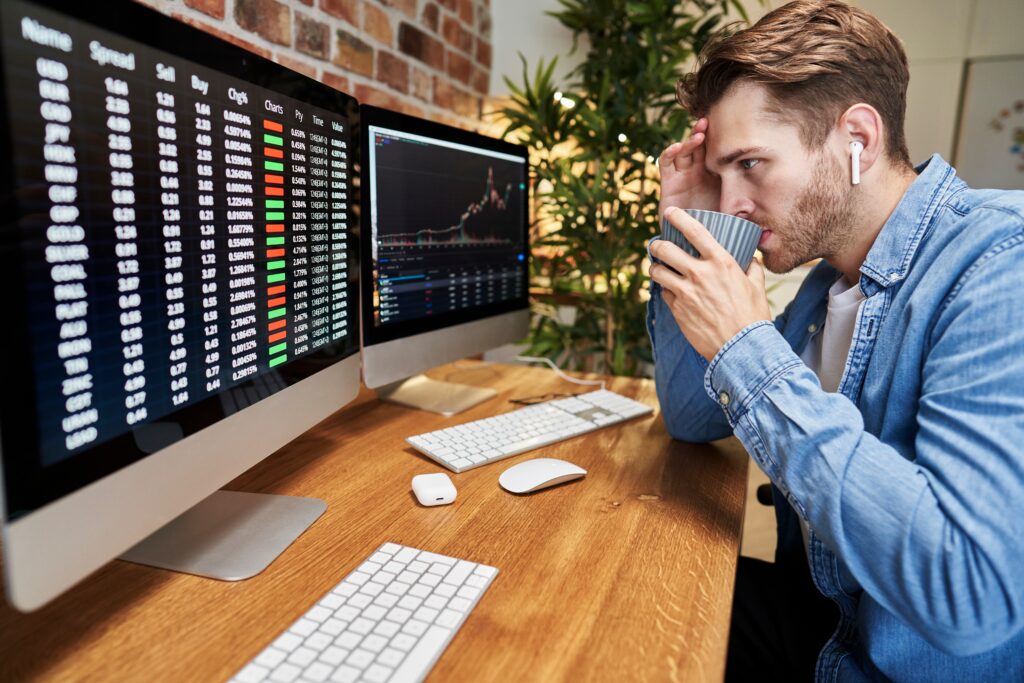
x=624, y=575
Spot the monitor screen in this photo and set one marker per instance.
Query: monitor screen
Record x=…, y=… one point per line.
x=176, y=233
x=446, y=231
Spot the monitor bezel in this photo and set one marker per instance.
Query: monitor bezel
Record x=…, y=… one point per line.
x=384, y=118
x=28, y=485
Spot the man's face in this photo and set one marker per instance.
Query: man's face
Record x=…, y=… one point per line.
x=799, y=196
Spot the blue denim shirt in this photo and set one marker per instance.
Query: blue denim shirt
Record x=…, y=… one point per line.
x=911, y=476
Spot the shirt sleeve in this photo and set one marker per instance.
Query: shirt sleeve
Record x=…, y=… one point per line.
x=934, y=537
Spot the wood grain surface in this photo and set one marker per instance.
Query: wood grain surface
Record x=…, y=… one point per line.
x=626, y=574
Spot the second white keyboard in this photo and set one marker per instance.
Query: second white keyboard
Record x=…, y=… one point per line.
x=389, y=620
x=483, y=441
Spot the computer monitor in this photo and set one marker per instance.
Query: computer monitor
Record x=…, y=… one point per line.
x=444, y=253
x=180, y=285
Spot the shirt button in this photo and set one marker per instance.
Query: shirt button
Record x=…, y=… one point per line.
x=723, y=398
x=812, y=328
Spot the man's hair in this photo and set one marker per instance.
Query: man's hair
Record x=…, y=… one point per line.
x=816, y=58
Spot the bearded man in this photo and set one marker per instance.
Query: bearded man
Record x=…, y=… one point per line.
x=886, y=403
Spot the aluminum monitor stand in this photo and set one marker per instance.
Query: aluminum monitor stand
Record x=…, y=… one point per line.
x=231, y=535
x=434, y=395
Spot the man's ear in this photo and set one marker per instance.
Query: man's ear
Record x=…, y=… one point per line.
x=861, y=123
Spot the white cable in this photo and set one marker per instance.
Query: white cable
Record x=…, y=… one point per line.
x=558, y=371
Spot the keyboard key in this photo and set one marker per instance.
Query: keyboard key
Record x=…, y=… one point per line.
x=385, y=600
x=332, y=601
x=360, y=659
x=448, y=618
x=286, y=673
x=319, y=641
x=405, y=555
x=468, y=592
x=414, y=627
x=391, y=657
x=345, y=674
x=397, y=588
x=302, y=656
x=377, y=673
x=476, y=581
x=271, y=657
x=359, y=600
x=459, y=572
x=369, y=567
x=387, y=628
x=361, y=626
x=445, y=590
x=459, y=604
x=373, y=643
x=333, y=627
x=303, y=627
x=421, y=590
x=288, y=642
x=348, y=640
x=374, y=612
x=426, y=614
x=435, y=602
x=423, y=653
x=443, y=559
x=333, y=655
x=399, y=615
x=346, y=589
x=347, y=613
x=358, y=578
x=390, y=548
x=403, y=642
x=410, y=602
x=318, y=614
x=485, y=571
x=317, y=672
x=431, y=580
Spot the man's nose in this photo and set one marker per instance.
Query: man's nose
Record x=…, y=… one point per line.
x=734, y=201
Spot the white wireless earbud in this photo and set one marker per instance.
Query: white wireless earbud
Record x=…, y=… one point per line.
x=856, y=147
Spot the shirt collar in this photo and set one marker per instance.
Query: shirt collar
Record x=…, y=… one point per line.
x=889, y=258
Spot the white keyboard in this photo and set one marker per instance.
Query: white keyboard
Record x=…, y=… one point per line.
x=483, y=441
x=389, y=620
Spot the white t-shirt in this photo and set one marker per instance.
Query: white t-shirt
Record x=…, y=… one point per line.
x=828, y=350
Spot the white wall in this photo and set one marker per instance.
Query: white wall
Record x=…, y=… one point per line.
x=939, y=35
x=522, y=27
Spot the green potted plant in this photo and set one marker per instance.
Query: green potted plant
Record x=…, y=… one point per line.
x=594, y=143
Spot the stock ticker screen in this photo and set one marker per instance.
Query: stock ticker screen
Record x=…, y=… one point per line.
x=181, y=231
x=447, y=226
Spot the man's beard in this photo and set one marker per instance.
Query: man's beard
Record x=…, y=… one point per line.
x=820, y=224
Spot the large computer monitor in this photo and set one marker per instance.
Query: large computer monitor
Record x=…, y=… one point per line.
x=444, y=253
x=180, y=286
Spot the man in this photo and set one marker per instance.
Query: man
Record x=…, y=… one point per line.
x=886, y=403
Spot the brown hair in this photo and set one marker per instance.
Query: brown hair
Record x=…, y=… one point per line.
x=816, y=58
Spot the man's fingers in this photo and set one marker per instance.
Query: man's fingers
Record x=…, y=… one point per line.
x=664, y=276
x=695, y=233
x=679, y=155
x=755, y=272
x=673, y=256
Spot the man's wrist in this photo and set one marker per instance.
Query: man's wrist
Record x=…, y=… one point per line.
x=745, y=364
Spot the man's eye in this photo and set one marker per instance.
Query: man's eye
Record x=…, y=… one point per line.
x=748, y=164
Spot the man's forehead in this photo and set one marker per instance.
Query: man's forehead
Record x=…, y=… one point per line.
x=745, y=117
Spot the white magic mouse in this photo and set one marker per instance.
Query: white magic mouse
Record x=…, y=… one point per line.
x=539, y=473
x=433, y=489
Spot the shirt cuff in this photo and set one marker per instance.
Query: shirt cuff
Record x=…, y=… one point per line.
x=745, y=365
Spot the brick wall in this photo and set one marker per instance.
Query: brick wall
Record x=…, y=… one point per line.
x=430, y=58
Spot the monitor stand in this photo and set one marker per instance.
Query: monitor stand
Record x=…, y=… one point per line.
x=433, y=395
x=231, y=535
